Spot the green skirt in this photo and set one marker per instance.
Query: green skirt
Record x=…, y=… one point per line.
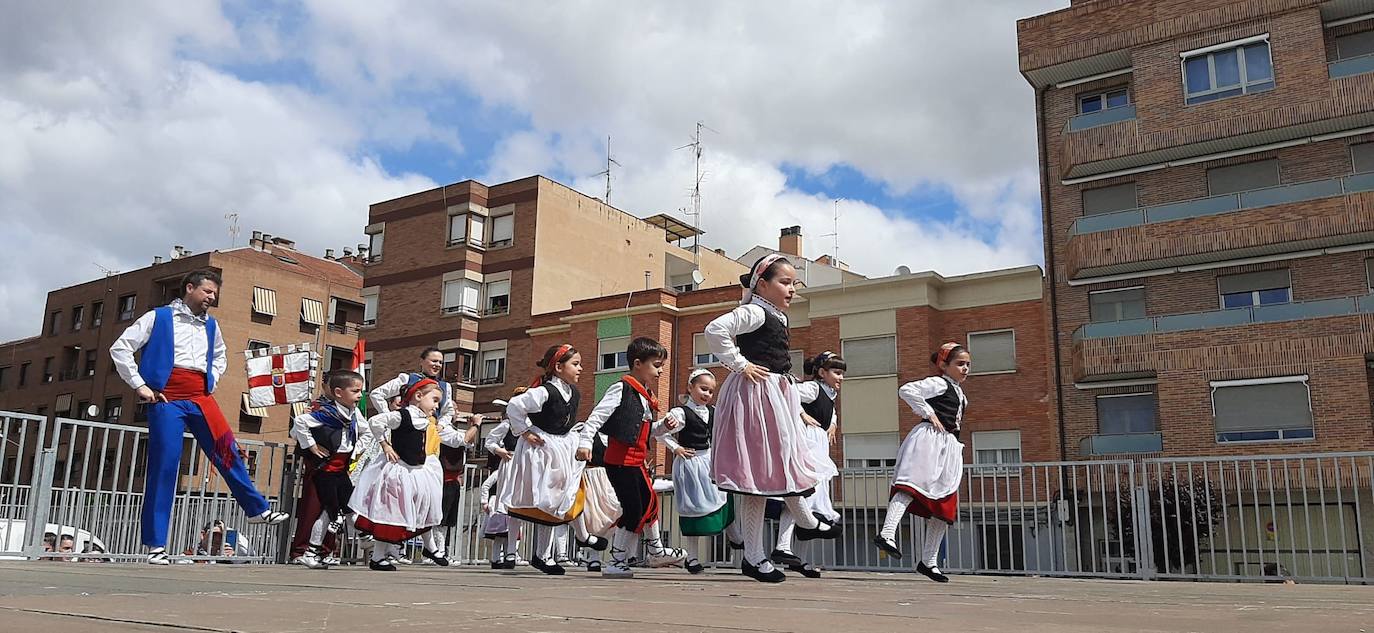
x=711, y=524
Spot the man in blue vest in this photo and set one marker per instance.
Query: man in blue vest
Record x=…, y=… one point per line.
x=183, y=356
x=431, y=365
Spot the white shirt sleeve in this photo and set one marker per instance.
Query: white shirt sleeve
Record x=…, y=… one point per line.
x=382, y=424
x=496, y=435
x=300, y=430
x=721, y=333
x=916, y=393
x=221, y=362
x=124, y=347
x=521, y=406
x=486, y=487
x=600, y=412
x=382, y=395
x=809, y=390
x=450, y=436
x=665, y=434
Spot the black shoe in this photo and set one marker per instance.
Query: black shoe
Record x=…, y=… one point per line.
x=509, y=562
x=752, y=571
x=496, y=564
x=887, y=545
x=780, y=557
x=932, y=573
x=546, y=567
x=440, y=559
x=805, y=569
x=736, y=545
x=593, y=542
x=694, y=566
x=594, y=566
x=382, y=566
x=831, y=532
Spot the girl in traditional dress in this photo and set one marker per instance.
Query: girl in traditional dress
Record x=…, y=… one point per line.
x=826, y=372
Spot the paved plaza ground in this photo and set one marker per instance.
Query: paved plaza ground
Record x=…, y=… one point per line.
x=55, y=597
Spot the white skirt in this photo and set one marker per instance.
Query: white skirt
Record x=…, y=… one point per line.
x=400, y=494
x=543, y=478
x=930, y=462
x=695, y=495
x=601, y=508
x=758, y=446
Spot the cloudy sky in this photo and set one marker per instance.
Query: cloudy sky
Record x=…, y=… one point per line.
x=127, y=127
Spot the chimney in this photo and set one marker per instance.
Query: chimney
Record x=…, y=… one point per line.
x=790, y=241
x=720, y=251
x=255, y=242
x=348, y=252
x=329, y=253
x=284, y=243
x=157, y=259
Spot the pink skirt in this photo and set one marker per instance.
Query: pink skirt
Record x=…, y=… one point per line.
x=759, y=445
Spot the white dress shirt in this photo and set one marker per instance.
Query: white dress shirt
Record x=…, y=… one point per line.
x=666, y=435
x=381, y=397
x=609, y=401
x=520, y=407
x=497, y=436
x=188, y=334
x=721, y=333
x=916, y=393
x=303, y=423
x=383, y=423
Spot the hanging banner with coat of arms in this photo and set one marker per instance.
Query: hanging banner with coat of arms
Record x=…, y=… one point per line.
x=281, y=375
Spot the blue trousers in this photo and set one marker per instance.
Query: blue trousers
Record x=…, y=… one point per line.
x=166, y=423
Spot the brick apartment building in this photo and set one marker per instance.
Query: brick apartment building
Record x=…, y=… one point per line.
x=463, y=267
x=273, y=294
x=885, y=328
x=1208, y=196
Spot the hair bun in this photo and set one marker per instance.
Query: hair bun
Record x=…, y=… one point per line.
x=744, y=280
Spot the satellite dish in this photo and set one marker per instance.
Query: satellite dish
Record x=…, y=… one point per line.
x=175, y=253
x=92, y=411
x=697, y=277
x=902, y=270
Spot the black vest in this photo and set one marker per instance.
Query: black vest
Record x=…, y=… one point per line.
x=327, y=438
x=947, y=406
x=508, y=442
x=768, y=345
x=822, y=409
x=408, y=441
x=558, y=415
x=627, y=420
x=696, y=433
x=598, y=452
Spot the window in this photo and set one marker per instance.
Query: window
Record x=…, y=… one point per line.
x=498, y=298
x=90, y=363
x=1362, y=157
x=1264, y=409
x=1109, y=199
x=477, y=229
x=1227, y=72
x=312, y=312
x=78, y=316
x=1243, y=177
x=798, y=360
x=54, y=323
x=460, y=296
x=257, y=345
x=4, y=374
x=126, y=307
x=865, y=357
x=611, y=354
x=97, y=313
x=1369, y=273
x=460, y=366
x=992, y=351
x=457, y=229
x=1118, y=304
x=1266, y=287
x=502, y=230
x=1098, y=101
x=82, y=410
x=114, y=407
x=47, y=370
x=494, y=367
x=994, y=448
x=141, y=415
x=376, y=234
x=265, y=301
x=63, y=405
x=871, y=450
x=1355, y=45
x=370, y=296
x=701, y=352
x=24, y=374
x=1126, y=413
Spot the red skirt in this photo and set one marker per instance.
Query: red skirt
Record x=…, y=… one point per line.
x=945, y=508
x=394, y=534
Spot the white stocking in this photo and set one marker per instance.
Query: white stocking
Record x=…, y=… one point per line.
x=693, y=546
x=896, y=510
x=935, y=534
x=752, y=509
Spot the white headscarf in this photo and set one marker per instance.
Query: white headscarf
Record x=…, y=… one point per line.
x=757, y=273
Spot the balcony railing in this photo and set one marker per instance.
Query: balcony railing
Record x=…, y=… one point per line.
x=492, y=380
x=1253, y=199
x=1102, y=117
x=1320, y=308
x=468, y=310
x=1114, y=444
x=1349, y=67
x=496, y=310
x=344, y=328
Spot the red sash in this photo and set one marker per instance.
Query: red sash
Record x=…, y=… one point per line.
x=189, y=385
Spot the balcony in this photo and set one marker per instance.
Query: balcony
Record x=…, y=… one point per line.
x=496, y=310
x=1350, y=67
x=1117, y=444
x=344, y=328
x=1101, y=117
x=491, y=380
x=1304, y=216
x=1296, y=311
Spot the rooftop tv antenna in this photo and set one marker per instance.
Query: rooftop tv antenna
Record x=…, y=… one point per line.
x=835, y=233
x=109, y=272
x=233, y=219
x=696, y=192
x=607, y=172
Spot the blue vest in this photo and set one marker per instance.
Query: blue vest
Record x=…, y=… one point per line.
x=415, y=378
x=155, y=365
